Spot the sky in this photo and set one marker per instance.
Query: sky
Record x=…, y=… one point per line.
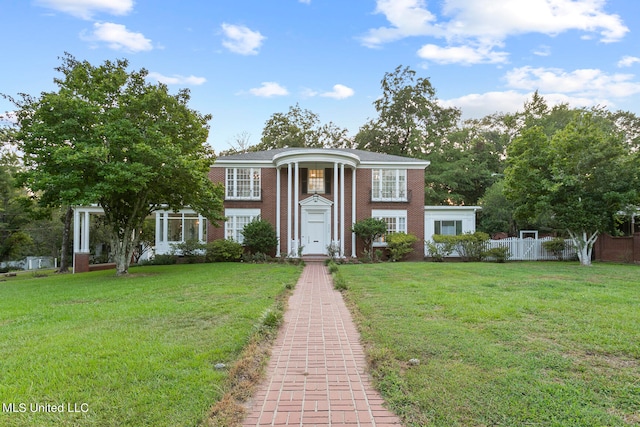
x=245, y=60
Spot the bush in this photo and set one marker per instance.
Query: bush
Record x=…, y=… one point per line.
x=161, y=260
x=260, y=237
x=223, y=250
x=555, y=246
x=400, y=245
x=434, y=251
x=470, y=246
x=500, y=254
x=190, y=249
x=369, y=229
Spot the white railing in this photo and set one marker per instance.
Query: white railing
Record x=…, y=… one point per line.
x=529, y=249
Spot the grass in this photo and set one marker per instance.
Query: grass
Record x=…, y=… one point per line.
x=517, y=344
x=136, y=351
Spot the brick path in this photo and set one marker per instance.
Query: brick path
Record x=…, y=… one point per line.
x=316, y=375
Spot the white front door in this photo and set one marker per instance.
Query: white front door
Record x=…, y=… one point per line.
x=314, y=231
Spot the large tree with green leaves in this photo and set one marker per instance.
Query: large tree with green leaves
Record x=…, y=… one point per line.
x=301, y=128
x=15, y=208
x=578, y=179
x=107, y=136
x=410, y=120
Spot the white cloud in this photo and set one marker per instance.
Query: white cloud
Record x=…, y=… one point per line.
x=407, y=17
x=542, y=50
x=177, y=79
x=339, y=92
x=465, y=55
x=589, y=83
x=269, y=89
x=478, y=105
x=628, y=61
x=85, y=9
x=479, y=25
x=242, y=40
x=118, y=37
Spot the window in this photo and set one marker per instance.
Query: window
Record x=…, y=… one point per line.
x=316, y=180
x=389, y=185
x=181, y=226
x=243, y=183
x=315, y=183
x=236, y=220
x=448, y=228
x=396, y=222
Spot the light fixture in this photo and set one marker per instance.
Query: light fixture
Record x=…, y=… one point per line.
x=315, y=197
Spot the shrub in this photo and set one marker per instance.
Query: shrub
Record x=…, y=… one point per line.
x=555, y=246
x=223, y=250
x=191, y=249
x=160, y=260
x=500, y=254
x=260, y=237
x=400, y=245
x=369, y=229
x=470, y=246
x=441, y=247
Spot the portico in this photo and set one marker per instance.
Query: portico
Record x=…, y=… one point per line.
x=316, y=201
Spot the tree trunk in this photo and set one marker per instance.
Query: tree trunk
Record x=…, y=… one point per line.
x=66, y=241
x=123, y=245
x=584, y=245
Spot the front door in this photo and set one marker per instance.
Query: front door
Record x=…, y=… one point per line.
x=314, y=232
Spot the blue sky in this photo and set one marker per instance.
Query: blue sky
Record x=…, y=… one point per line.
x=244, y=60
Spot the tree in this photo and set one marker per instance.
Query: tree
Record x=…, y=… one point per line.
x=578, y=179
x=15, y=209
x=260, y=237
x=369, y=229
x=410, y=120
x=109, y=137
x=300, y=128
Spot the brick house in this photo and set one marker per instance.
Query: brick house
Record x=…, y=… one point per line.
x=314, y=196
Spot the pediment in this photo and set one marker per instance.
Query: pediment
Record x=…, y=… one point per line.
x=316, y=200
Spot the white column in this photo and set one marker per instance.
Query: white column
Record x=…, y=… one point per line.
x=296, y=188
x=85, y=231
x=336, y=200
x=76, y=230
x=353, y=211
x=289, y=237
x=278, y=210
x=342, y=224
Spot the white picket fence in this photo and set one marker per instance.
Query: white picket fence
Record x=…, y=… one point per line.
x=529, y=249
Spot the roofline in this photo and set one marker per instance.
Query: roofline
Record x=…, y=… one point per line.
x=453, y=208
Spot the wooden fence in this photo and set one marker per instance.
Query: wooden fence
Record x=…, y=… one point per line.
x=529, y=249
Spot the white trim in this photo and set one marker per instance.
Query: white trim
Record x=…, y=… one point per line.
x=315, y=155
x=236, y=212
x=278, y=211
x=391, y=213
x=353, y=211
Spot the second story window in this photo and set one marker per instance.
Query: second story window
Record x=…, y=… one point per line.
x=389, y=185
x=243, y=183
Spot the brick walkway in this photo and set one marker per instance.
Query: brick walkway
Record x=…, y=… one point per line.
x=316, y=375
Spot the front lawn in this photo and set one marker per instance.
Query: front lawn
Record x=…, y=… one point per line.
x=516, y=344
x=132, y=351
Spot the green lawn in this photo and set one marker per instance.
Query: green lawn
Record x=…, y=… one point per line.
x=516, y=344
x=133, y=351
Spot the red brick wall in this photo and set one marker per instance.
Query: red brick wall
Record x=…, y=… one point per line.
x=364, y=206
x=414, y=208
